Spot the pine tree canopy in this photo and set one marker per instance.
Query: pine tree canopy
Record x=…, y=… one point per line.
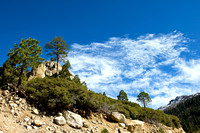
x=122, y=96
x=58, y=48
x=26, y=55
x=144, y=98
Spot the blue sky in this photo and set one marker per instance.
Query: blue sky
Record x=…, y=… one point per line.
x=133, y=45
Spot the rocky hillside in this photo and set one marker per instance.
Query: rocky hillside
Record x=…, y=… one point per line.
x=18, y=116
x=179, y=99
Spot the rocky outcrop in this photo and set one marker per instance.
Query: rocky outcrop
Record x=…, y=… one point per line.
x=47, y=68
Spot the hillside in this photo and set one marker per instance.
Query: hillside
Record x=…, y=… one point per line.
x=60, y=97
x=188, y=111
x=20, y=116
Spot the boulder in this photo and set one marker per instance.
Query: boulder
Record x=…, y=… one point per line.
x=72, y=119
x=135, y=126
x=118, y=117
x=60, y=120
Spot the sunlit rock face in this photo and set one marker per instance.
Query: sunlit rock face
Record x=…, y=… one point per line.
x=47, y=68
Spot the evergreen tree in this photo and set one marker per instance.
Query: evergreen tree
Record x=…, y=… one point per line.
x=104, y=94
x=57, y=48
x=26, y=55
x=76, y=79
x=144, y=98
x=84, y=83
x=65, y=73
x=122, y=96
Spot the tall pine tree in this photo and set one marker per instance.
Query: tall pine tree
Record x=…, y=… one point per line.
x=25, y=55
x=57, y=48
x=144, y=98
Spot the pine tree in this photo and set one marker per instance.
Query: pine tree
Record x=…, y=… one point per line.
x=76, y=79
x=57, y=48
x=122, y=96
x=144, y=98
x=65, y=73
x=25, y=55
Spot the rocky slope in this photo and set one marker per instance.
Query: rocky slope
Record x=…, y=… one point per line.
x=174, y=102
x=18, y=116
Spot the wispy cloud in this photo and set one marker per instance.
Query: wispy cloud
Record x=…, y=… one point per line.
x=150, y=63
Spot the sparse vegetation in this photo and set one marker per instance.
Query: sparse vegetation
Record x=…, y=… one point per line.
x=161, y=130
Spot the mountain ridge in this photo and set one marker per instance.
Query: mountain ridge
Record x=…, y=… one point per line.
x=179, y=99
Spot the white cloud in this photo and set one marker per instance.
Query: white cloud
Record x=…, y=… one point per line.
x=150, y=63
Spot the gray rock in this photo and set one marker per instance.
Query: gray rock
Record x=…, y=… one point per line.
x=28, y=127
x=60, y=120
x=135, y=126
x=5, y=93
x=122, y=125
x=118, y=117
x=26, y=119
x=35, y=111
x=37, y=123
x=85, y=124
x=72, y=119
x=60, y=114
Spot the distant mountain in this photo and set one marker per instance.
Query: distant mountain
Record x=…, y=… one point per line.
x=187, y=109
x=179, y=99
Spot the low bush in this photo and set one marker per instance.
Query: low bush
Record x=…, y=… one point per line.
x=105, y=131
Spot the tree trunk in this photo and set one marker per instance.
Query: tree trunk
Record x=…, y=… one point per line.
x=57, y=62
x=20, y=77
x=144, y=104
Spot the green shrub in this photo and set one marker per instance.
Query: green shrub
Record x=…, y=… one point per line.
x=161, y=130
x=105, y=131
